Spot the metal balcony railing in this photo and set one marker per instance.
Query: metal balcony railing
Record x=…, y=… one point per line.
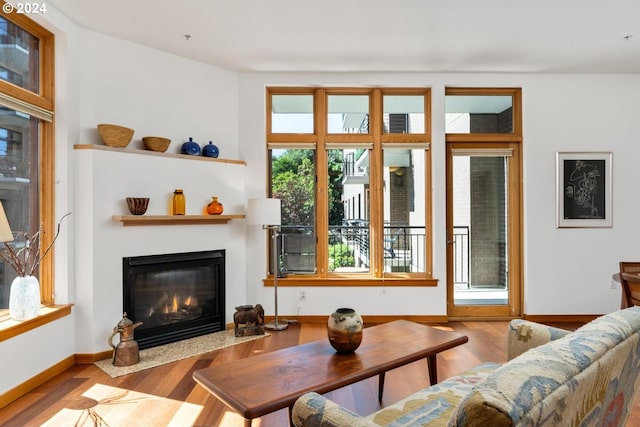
x=404, y=248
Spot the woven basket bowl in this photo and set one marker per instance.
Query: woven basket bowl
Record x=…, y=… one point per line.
x=156, y=143
x=137, y=205
x=114, y=135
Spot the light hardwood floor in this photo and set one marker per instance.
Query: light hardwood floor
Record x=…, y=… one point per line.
x=487, y=342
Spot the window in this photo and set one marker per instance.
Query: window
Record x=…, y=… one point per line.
x=482, y=111
x=484, y=201
x=352, y=168
x=26, y=139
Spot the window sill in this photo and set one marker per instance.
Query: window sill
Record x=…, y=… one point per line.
x=302, y=280
x=10, y=328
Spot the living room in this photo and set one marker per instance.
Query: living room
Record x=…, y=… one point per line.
x=104, y=79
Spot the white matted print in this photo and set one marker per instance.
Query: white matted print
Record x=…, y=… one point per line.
x=583, y=189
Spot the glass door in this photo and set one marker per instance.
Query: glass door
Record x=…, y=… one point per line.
x=483, y=230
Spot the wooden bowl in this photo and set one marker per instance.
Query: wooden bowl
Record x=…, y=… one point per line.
x=156, y=143
x=137, y=205
x=114, y=135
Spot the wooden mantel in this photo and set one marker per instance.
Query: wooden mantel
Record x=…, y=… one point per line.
x=129, y=220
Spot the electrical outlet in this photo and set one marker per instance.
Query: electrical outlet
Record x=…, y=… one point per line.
x=303, y=295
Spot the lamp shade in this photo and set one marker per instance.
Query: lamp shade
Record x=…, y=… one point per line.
x=5, y=231
x=263, y=212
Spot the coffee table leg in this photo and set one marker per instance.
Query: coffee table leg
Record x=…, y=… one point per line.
x=247, y=423
x=380, y=386
x=433, y=369
x=291, y=416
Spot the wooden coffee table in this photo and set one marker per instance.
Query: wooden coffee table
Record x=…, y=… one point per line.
x=262, y=384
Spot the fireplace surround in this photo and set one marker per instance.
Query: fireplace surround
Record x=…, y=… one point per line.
x=175, y=296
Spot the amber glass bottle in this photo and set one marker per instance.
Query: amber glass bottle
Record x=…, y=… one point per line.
x=214, y=207
x=178, y=202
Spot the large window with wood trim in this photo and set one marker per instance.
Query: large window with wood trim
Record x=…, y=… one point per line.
x=26, y=140
x=352, y=167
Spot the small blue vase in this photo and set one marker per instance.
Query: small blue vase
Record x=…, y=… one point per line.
x=191, y=147
x=210, y=150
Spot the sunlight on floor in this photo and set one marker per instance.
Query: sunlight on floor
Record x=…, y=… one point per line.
x=113, y=406
x=233, y=419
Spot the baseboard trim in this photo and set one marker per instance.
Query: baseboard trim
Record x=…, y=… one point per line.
x=38, y=380
x=540, y=318
x=366, y=318
x=90, y=358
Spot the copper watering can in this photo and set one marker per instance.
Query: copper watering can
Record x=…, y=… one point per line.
x=126, y=352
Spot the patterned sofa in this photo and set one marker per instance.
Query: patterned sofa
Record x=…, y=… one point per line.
x=553, y=378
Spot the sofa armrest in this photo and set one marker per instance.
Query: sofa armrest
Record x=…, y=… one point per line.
x=523, y=335
x=314, y=410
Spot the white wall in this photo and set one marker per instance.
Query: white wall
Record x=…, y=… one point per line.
x=566, y=271
x=105, y=178
x=156, y=94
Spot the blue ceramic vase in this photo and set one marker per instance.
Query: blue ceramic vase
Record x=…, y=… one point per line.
x=191, y=147
x=210, y=150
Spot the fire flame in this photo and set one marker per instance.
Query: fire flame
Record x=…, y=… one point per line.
x=174, y=304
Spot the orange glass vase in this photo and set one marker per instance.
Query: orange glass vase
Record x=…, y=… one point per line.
x=214, y=207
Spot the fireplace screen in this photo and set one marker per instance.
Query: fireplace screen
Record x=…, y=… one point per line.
x=175, y=296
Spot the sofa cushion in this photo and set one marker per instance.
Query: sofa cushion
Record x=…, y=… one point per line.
x=582, y=379
x=433, y=405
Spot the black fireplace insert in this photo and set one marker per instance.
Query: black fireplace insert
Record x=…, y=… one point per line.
x=175, y=296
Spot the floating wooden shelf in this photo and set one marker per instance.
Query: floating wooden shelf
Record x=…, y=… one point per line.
x=128, y=220
x=155, y=153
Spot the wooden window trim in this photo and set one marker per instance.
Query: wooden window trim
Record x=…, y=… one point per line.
x=44, y=99
x=474, y=141
x=324, y=141
x=11, y=328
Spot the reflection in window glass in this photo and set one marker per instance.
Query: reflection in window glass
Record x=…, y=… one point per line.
x=292, y=114
x=349, y=231
x=20, y=57
x=403, y=114
x=404, y=210
x=293, y=182
x=348, y=114
x=18, y=181
x=478, y=114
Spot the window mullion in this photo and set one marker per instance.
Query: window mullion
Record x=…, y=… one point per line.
x=322, y=189
x=376, y=222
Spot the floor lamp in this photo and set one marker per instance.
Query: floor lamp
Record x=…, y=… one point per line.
x=266, y=212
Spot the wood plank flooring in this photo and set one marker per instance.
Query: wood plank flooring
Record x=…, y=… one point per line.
x=487, y=342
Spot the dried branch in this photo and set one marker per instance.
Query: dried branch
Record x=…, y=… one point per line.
x=11, y=259
x=27, y=259
x=39, y=257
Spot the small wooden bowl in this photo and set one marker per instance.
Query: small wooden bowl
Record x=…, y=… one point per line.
x=156, y=143
x=114, y=135
x=137, y=205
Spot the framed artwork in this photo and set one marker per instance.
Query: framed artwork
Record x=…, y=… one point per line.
x=583, y=189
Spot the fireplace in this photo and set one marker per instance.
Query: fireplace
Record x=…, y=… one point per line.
x=175, y=296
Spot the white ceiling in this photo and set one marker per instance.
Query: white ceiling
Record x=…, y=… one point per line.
x=535, y=36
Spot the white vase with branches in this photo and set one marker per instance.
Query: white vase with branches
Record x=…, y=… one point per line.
x=24, y=296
